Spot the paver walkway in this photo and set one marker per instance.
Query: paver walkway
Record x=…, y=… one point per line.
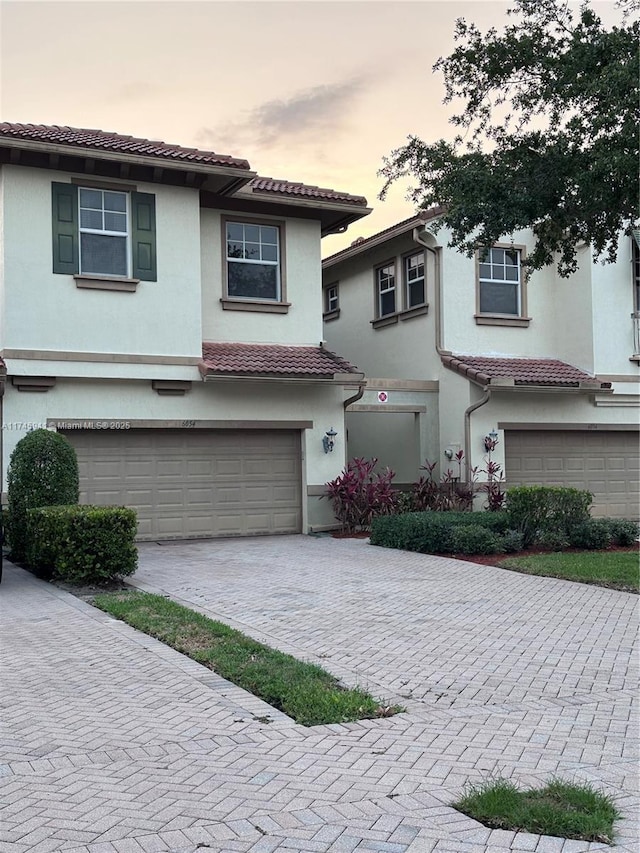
x=114, y=743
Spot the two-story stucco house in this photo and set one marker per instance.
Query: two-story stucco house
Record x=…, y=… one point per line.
x=161, y=306
x=458, y=349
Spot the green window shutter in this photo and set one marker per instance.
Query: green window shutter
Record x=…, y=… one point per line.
x=64, y=199
x=143, y=236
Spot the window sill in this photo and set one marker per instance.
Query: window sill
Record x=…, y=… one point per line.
x=635, y=358
x=265, y=306
x=388, y=320
x=501, y=320
x=331, y=315
x=417, y=311
x=102, y=282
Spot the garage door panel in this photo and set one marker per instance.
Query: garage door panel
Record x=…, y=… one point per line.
x=606, y=463
x=257, y=494
x=227, y=468
x=195, y=483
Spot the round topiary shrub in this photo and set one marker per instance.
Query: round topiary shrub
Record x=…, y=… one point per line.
x=43, y=471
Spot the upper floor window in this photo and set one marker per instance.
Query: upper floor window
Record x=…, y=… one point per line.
x=414, y=280
x=331, y=302
x=386, y=290
x=103, y=232
x=499, y=282
x=253, y=261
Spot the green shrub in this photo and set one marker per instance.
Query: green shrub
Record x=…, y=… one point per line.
x=43, y=471
x=45, y=527
x=83, y=544
x=475, y=539
x=593, y=535
x=431, y=532
x=540, y=511
x=623, y=531
x=512, y=541
x=551, y=540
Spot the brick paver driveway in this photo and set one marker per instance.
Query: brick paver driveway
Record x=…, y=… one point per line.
x=116, y=744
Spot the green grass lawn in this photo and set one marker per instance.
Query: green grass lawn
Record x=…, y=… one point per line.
x=304, y=691
x=614, y=569
x=560, y=809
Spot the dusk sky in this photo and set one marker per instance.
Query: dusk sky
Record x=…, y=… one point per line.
x=310, y=91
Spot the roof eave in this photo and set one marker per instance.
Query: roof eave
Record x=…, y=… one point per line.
x=371, y=243
x=242, y=175
x=209, y=375
x=297, y=200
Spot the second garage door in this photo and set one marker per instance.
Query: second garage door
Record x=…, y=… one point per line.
x=605, y=463
x=189, y=483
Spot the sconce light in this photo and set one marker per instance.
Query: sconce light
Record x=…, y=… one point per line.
x=490, y=441
x=449, y=453
x=328, y=440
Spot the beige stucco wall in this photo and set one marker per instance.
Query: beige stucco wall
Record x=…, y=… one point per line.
x=88, y=400
x=47, y=311
x=403, y=350
x=2, y=251
x=399, y=440
x=612, y=308
x=302, y=264
x=583, y=320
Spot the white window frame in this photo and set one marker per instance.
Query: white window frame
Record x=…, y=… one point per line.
x=406, y=269
x=383, y=287
x=126, y=235
x=332, y=299
x=486, y=257
x=252, y=261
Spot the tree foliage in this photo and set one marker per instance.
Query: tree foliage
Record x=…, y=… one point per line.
x=547, y=139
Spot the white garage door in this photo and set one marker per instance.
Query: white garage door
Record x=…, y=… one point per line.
x=605, y=463
x=195, y=483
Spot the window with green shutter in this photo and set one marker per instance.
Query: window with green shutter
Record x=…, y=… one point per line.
x=103, y=232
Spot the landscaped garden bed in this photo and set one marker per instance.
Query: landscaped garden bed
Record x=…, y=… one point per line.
x=303, y=691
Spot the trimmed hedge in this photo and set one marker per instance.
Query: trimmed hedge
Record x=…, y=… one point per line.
x=43, y=471
x=546, y=513
x=434, y=532
x=476, y=539
x=82, y=544
x=599, y=533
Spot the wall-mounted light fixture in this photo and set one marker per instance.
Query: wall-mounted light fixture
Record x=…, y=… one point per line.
x=329, y=439
x=490, y=441
x=449, y=453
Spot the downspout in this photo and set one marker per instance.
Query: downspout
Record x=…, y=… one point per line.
x=486, y=396
x=357, y=396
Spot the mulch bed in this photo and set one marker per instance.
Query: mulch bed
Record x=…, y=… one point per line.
x=496, y=559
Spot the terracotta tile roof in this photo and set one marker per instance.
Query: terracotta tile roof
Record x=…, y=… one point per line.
x=284, y=187
x=522, y=371
x=271, y=360
x=116, y=142
x=409, y=224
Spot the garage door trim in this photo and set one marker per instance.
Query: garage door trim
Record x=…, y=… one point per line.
x=517, y=425
x=187, y=423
